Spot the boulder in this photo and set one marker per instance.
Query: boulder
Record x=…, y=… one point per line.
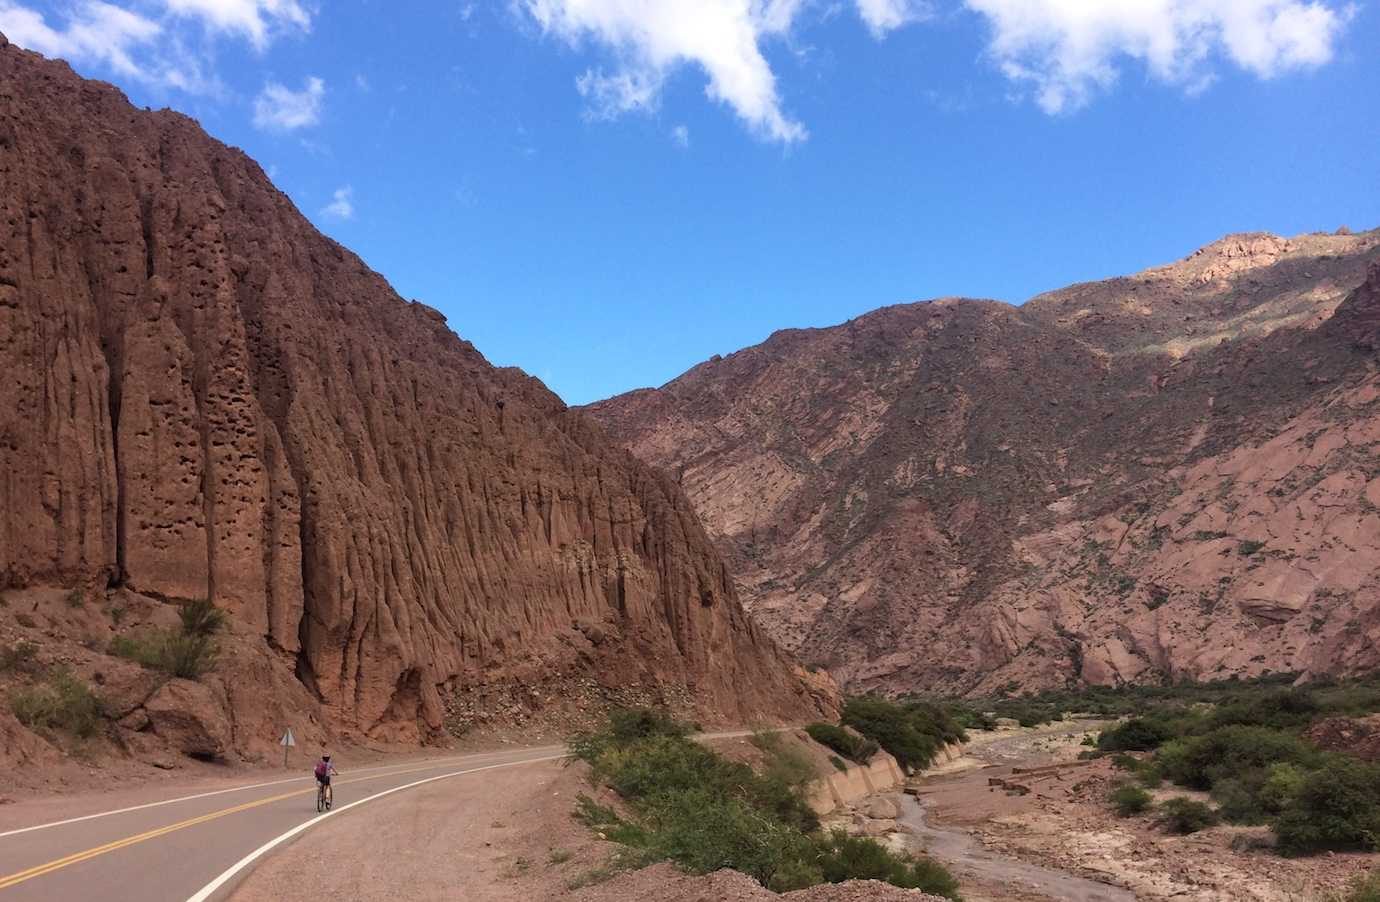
x=881, y=808
x=191, y=719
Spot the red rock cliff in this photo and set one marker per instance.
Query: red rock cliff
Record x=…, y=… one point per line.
x=205, y=397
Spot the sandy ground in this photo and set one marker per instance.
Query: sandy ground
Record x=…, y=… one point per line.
x=507, y=838
x=1064, y=822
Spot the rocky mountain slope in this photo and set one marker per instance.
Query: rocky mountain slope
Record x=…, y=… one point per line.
x=1169, y=475
x=206, y=398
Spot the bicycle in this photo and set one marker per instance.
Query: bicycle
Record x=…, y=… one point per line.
x=324, y=797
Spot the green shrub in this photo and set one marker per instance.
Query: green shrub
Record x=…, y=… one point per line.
x=1282, y=785
x=625, y=726
x=177, y=654
x=970, y=718
x=187, y=653
x=843, y=857
x=703, y=830
x=1184, y=815
x=689, y=805
x=22, y=656
x=789, y=765
x=1238, y=801
x=839, y=764
x=1249, y=547
x=1336, y=807
x=1200, y=761
x=1131, y=800
x=201, y=618
x=60, y=702
x=1365, y=888
x=1135, y=735
x=1123, y=761
x=1280, y=709
x=912, y=732
x=853, y=747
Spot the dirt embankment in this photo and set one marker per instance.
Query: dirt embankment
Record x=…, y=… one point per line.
x=509, y=837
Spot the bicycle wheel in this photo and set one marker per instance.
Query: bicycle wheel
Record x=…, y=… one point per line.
x=320, y=799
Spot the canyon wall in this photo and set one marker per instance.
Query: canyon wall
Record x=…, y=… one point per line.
x=204, y=397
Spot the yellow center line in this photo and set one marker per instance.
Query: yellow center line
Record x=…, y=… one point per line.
x=78, y=857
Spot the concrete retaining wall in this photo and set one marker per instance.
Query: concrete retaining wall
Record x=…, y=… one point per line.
x=881, y=774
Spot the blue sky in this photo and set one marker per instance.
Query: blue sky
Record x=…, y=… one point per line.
x=606, y=192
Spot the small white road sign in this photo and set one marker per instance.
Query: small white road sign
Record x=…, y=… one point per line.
x=287, y=742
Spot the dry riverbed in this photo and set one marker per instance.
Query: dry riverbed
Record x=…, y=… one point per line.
x=1021, y=797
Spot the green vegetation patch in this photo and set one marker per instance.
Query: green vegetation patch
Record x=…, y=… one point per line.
x=1365, y=888
x=20, y=657
x=687, y=804
x=1244, y=743
x=913, y=732
x=1184, y=815
x=60, y=702
x=849, y=745
x=189, y=652
x=1131, y=800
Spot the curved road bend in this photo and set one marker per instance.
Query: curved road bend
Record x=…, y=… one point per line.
x=197, y=846
x=171, y=850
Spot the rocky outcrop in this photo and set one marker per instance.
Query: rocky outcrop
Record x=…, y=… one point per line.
x=1168, y=475
x=1355, y=736
x=205, y=397
x=1358, y=320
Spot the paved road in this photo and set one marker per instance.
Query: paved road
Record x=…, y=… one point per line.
x=176, y=849
x=156, y=846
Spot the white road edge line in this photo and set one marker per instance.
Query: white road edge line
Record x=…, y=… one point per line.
x=210, y=889
x=218, y=792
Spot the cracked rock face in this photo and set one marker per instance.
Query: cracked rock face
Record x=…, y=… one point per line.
x=204, y=397
x=1170, y=475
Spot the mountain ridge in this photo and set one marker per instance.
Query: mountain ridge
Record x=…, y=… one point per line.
x=918, y=442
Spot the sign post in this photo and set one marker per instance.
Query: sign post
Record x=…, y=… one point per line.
x=287, y=742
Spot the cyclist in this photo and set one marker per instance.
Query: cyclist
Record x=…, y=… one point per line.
x=324, y=771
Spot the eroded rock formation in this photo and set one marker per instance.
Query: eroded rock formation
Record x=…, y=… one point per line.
x=1170, y=475
x=205, y=397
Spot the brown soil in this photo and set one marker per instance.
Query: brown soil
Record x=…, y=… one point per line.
x=509, y=837
x=1357, y=736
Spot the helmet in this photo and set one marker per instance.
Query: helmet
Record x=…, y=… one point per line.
x=325, y=757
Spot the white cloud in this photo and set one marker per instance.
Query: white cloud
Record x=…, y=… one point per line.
x=279, y=108
x=93, y=32
x=342, y=205
x=149, y=40
x=627, y=91
x=255, y=20
x=681, y=135
x=649, y=40
x=882, y=16
x=1070, y=50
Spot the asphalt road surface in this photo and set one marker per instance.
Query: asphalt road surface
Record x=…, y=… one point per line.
x=160, y=845
x=165, y=847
